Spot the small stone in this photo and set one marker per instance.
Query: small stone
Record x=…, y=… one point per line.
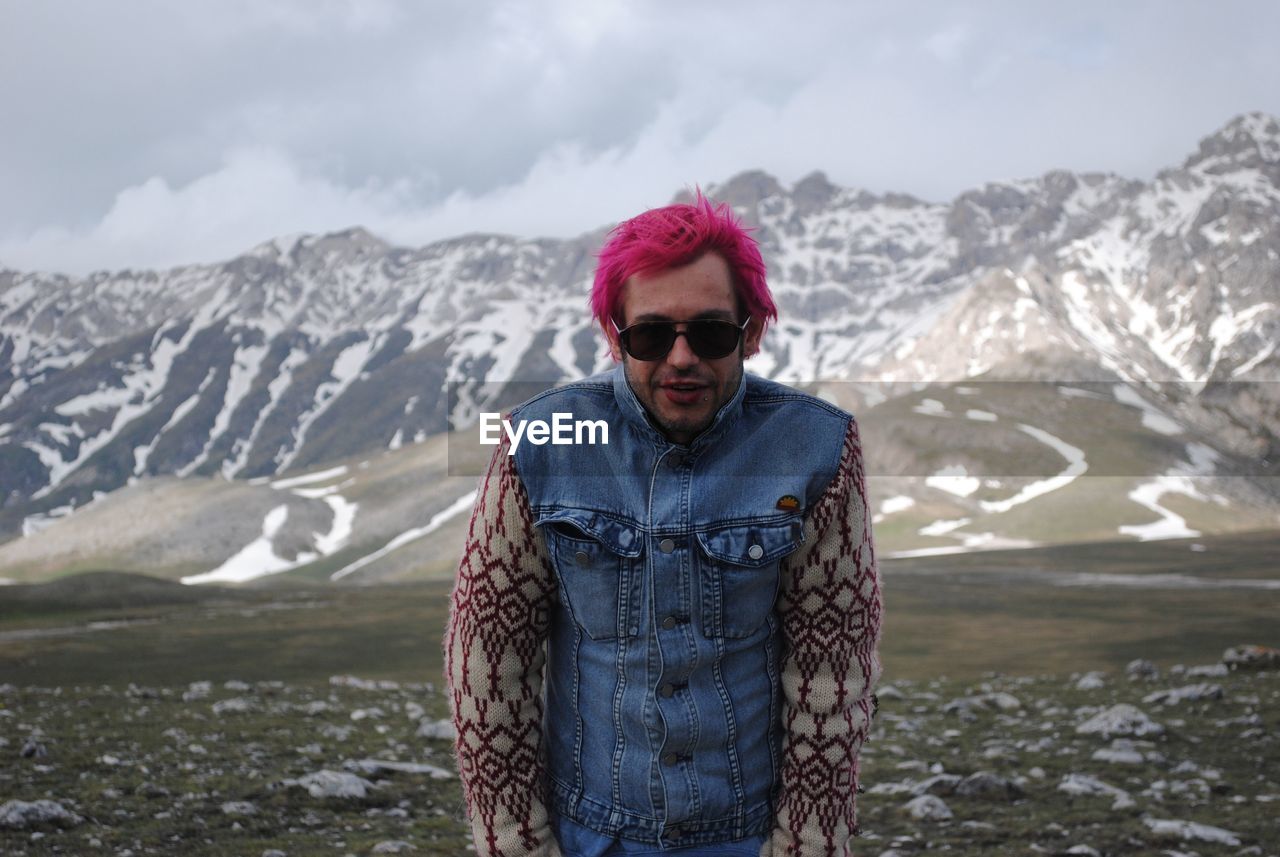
x=20, y=814
x=1251, y=658
x=1186, y=830
x=1091, y=681
x=239, y=807
x=928, y=808
x=392, y=846
x=1141, y=668
x=1187, y=693
x=938, y=784
x=437, y=730
x=1208, y=671
x=1083, y=784
x=989, y=785
x=33, y=749
x=1122, y=719
x=235, y=705
x=336, y=784
x=1121, y=752
x=197, y=690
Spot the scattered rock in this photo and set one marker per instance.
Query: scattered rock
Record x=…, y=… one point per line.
x=928, y=808
x=1086, y=850
x=237, y=685
x=988, y=785
x=151, y=790
x=1252, y=658
x=439, y=730
x=197, y=690
x=23, y=815
x=377, y=766
x=239, y=807
x=362, y=684
x=1141, y=668
x=1121, y=752
x=1185, y=830
x=1186, y=693
x=1083, y=784
x=1122, y=719
x=1209, y=671
x=1091, y=681
x=33, y=749
x=967, y=705
x=393, y=846
x=235, y=705
x=373, y=713
x=327, y=784
x=939, y=784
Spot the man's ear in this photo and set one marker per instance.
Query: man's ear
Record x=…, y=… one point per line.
x=615, y=347
x=751, y=338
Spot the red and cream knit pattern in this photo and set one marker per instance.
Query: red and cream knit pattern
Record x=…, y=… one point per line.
x=498, y=620
x=830, y=604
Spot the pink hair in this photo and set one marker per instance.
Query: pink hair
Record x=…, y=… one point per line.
x=664, y=238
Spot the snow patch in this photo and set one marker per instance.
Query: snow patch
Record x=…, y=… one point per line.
x=954, y=479
x=462, y=504
x=1076, y=466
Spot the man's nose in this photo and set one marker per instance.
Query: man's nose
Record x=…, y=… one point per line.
x=681, y=355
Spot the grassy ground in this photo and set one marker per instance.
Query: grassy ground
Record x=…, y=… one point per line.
x=150, y=770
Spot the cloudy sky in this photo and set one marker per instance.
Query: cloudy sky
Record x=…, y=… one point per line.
x=147, y=134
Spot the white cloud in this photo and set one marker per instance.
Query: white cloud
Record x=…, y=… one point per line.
x=159, y=133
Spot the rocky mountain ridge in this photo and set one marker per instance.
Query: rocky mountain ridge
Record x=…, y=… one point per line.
x=314, y=349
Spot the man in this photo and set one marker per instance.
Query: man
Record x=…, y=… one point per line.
x=704, y=585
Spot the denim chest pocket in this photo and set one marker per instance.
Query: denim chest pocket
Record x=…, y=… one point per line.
x=595, y=561
x=740, y=574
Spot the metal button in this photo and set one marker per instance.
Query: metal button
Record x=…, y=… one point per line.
x=755, y=551
x=668, y=690
x=670, y=759
x=667, y=545
x=669, y=623
x=581, y=558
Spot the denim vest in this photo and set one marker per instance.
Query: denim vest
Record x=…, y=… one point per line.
x=662, y=710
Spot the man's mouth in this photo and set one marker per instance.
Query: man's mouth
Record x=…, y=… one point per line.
x=684, y=392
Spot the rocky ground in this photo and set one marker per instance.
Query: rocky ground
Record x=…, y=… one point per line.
x=1175, y=762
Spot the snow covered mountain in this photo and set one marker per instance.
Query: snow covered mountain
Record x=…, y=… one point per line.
x=312, y=350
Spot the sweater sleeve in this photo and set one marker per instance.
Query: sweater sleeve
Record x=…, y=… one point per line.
x=830, y=605
x=499, y=618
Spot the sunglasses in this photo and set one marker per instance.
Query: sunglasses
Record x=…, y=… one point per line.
x=709, y=338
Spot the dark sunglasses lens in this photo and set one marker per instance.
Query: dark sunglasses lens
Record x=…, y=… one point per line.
x=649, y=341
x=709, y=339
x=712, y=340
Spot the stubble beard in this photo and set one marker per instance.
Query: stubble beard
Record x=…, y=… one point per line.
x=687, y=425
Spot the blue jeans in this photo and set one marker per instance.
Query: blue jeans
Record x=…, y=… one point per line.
x=578, y=841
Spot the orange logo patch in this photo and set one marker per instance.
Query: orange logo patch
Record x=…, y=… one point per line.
x=788, y=503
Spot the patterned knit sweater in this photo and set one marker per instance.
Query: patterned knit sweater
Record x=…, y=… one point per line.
x=830, y=606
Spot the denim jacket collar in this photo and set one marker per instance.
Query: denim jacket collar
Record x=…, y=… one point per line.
x=635, y=412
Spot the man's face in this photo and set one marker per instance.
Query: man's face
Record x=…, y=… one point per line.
x=683, y=391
